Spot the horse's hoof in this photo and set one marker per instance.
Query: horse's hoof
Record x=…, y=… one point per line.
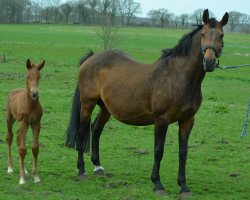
x=100, y=173
x=37, y=179
x=160, y=192
x=185, y=195
x=21, y=181
x=10, y=170
x=82, y=177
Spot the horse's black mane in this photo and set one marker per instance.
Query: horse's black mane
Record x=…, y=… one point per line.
x=184, y=44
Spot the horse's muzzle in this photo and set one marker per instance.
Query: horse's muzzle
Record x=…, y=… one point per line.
x=209, y=64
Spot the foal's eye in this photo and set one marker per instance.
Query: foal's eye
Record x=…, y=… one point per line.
x=202, y=35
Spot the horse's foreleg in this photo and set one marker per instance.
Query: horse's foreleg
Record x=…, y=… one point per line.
x=9, y=138
x=35, y=149
x=97, y=128
x=185, y=128
x=160, y=136
x=22, y=150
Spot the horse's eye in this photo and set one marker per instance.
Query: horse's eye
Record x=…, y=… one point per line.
x=221, y=36
x=202, y=35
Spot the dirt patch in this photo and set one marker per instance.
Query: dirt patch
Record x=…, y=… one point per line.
x=117, y=184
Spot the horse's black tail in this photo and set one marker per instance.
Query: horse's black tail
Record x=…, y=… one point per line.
x=73, y=137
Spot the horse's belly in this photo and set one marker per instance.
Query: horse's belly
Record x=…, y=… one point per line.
x=131, y=113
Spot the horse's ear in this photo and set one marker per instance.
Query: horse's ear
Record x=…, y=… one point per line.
x=224, y=19
x=40, y=66
x=205, y=16
x=28, y=64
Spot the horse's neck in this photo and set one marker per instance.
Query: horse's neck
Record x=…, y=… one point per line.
x=191, y=66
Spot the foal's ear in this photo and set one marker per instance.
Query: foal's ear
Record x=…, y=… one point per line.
x=40, y=66
x=224, y=19
x=205, y=16
x=28, y=64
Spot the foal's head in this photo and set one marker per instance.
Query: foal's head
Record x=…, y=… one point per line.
x=212, y=40
x=33, y=77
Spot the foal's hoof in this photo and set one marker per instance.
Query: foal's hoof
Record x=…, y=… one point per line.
x=10, y=170
x=37, y=179
x=160, y=192
x=82, y=177
x=21, y=181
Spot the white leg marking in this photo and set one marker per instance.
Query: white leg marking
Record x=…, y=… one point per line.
x=21, y=181
x=26, y=172
x=10, y=170
x=97, y=168
x=37, y=179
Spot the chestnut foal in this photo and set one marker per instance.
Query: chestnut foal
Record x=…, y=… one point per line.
x=23, y=105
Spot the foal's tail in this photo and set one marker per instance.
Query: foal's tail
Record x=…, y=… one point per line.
x=73, y=137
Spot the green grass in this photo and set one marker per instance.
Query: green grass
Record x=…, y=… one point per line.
x=218, y=159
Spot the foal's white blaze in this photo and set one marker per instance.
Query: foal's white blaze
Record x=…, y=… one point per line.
x=37, y=179
x=97, y=168
x=10, y=170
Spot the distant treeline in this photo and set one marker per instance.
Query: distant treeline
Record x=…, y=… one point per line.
x=99, y=12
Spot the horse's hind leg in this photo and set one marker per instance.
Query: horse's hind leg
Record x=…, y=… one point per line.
x=86, y=110
x=9, y=137
x=97, y=128
x=35, y=149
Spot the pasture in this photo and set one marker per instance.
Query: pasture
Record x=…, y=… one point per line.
x=218, y=159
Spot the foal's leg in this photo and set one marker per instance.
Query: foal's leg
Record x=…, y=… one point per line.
x=9, y=137
x=97, y=127
x=86, y=110
x=160, y=136
x=22, y=149
x=35, y=149
x=185, y=128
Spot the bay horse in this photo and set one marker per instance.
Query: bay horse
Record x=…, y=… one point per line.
x=23, y=106
x=161, y=93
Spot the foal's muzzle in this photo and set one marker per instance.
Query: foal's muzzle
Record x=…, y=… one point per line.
x=34, y=93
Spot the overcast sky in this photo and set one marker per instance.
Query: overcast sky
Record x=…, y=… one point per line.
x=178, y=7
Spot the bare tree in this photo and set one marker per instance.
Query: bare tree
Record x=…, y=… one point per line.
x=108, y=31
x=161, y=14
x=66, y=10
x=234, y=19
x=184, y=20
x=82, y=10
x=93, y=4
x=197, y=16
x=113, y=11
x=108, y=34
x=127, y=9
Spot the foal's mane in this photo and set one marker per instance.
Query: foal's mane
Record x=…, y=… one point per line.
x=184, y=45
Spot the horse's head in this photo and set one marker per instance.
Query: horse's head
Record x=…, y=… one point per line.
x=212, y=40
x=33, y=77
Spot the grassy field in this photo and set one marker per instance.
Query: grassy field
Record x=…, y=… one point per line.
x=218, y=160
